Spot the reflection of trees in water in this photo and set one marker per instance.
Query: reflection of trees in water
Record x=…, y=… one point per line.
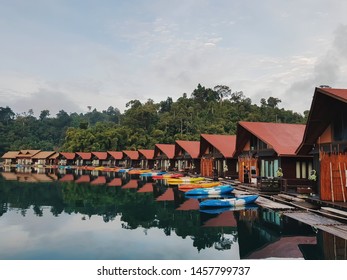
x=3, y=208
x=135, y=209
x=225, y=243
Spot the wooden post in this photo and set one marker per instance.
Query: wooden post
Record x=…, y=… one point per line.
x=343, y=191
x=331, y=183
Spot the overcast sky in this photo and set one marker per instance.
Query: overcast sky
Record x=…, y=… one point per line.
x=70, y=54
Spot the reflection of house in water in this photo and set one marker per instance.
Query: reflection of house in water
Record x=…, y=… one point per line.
x=189, y=204
x=100, y=180
x=168, y=195
x=328, y=247
x=27, y=177
x=132, y=184
x=148, y=187
x=83, y=179
x=116, y=182
x=267, y=234
x=67, y=178
x=9, y=176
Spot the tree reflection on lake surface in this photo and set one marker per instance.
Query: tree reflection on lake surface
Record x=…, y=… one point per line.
x=83, y=215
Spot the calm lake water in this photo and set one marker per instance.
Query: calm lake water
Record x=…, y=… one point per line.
x=95, y=215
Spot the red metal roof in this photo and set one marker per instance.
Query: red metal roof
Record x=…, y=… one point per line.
x=225, y=144
x=133, y=155
x=116, y=155
x=27, y=153
x=100, y=155
x=282, y=137
x=191, y=147
x=167, y=149
x=11, y=154
x=148, y=154
x=68, y=156
x=84, y=156
x=54, y=156
x=337, y=93
x=43, y=155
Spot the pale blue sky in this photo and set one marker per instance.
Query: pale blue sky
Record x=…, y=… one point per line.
x=70, y=54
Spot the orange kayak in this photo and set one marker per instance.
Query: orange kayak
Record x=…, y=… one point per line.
x=187, y=187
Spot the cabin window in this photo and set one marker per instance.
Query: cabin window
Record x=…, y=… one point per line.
x=268, y=167
x=303, y=169
x=257, y=144
x=340, y=126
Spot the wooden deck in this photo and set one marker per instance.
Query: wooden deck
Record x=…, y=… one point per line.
x=323, y=223
x=268, y=203
x=308, y=210
x=337, y=205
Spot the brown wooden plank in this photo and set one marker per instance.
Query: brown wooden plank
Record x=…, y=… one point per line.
x=311, y=219
x=336, y=211
x=267, y=203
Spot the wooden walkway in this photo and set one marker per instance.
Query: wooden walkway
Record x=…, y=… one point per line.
x=267, y=203
x=323, y=223
x=304, y=210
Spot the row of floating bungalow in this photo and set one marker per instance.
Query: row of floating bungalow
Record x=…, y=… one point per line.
x=309, y=158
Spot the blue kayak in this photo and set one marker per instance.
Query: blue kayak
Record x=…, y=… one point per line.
x=229, y=202
x=150, y=174
x=213, y=190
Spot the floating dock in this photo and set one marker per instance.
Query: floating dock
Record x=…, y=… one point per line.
x=323, y=223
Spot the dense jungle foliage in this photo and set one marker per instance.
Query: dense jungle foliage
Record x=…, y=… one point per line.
x=142, y=125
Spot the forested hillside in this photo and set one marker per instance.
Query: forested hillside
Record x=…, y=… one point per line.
x=142, y=125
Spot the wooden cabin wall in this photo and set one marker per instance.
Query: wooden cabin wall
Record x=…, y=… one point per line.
x=206, y=167
x=197, y=165
x=288, y=166
x=249, y=163
x=333, y=169
x=232, y=171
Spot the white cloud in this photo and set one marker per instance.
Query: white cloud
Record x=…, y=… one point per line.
x=109, y=55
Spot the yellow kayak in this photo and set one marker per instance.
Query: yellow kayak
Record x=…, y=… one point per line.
x=175, y=181
x=138, y=171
